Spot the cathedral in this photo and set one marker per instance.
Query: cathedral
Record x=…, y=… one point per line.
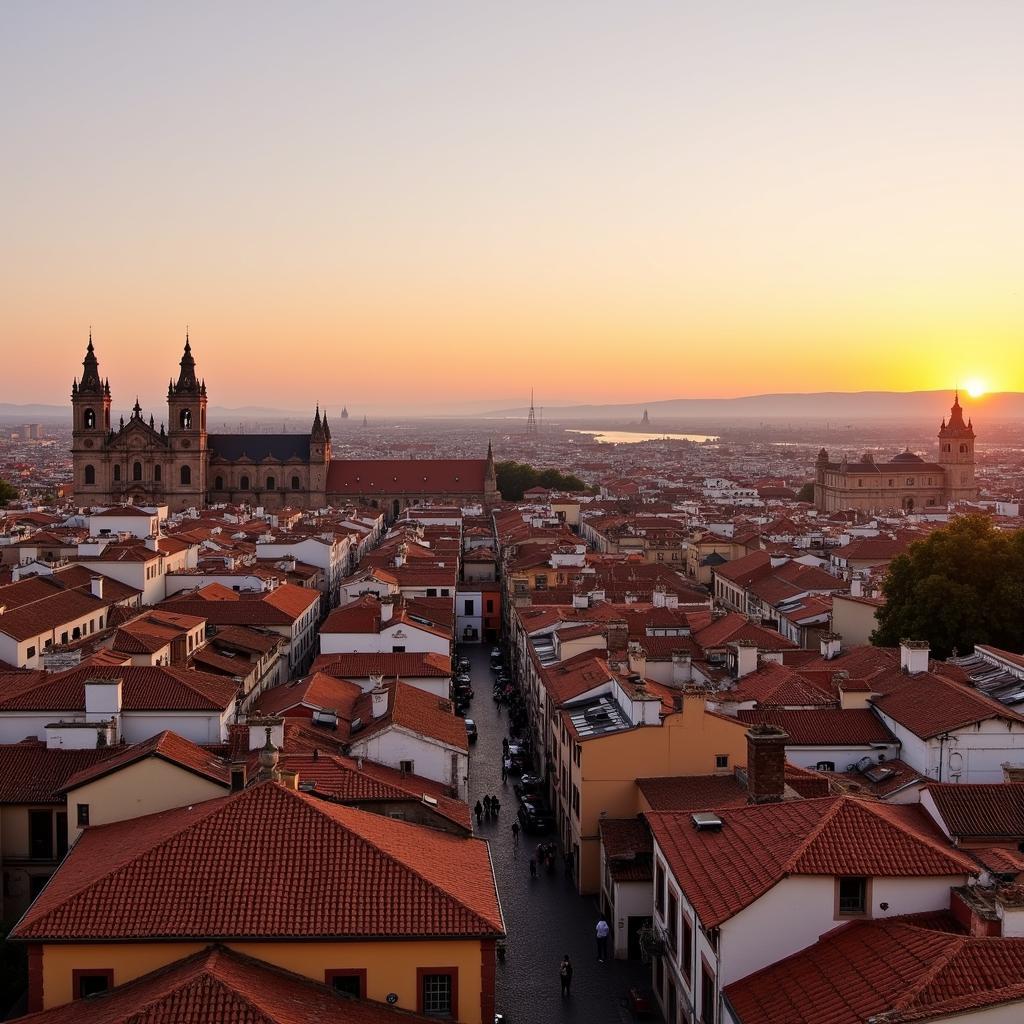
x=906, y=481
x=183, y=466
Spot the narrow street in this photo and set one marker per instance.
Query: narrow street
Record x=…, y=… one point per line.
x=544, y=916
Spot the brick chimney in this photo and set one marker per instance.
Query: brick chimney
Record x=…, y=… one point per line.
x=766, y=764
x=618, y=636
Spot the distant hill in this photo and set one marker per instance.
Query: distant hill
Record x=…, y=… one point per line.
x=835, y=406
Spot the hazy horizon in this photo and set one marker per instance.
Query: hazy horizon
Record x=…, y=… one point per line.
x=415, y=205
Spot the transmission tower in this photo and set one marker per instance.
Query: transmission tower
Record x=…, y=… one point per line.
x=531, y=420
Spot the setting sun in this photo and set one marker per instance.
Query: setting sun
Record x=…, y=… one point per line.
x=975, y=387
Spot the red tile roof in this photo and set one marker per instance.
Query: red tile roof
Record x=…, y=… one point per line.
x=32, y=773
x=829, y=727
x=902, y=970
x=362, y=666
x=406, y=476
x=929, y=704
x=219, y=985
x=267, y=862
x=145, y=688
x=723, y=872
x=979, y=810
x=315, y=691
x=166, y=746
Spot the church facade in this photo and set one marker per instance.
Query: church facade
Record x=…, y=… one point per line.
x=182, y=465
x=906, y=481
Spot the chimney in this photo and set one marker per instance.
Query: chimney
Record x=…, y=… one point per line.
x=102, y=699
x=746, y=657
x=658, y=597
x=238, y=776
x=637, y=658
x=1012, y=772
x=152, y=544
x=766, y=764
x=830, y=644
x=671, y=600
x=289, y=779
x=96, y=586
x=914, y=656
x=580, y=601
x=387, y=609
x=618, y=635
x=682, y=668
x=856, y=587
x=379, y=695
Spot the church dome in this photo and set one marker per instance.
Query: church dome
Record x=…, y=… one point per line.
x=907, y=456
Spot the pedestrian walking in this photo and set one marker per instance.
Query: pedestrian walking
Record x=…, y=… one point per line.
x=515, y=833
x=565, y=974
x=602, y=939
x=504, y=746
x=495, y=805
x=487, y=806
x=533, y=867
x=504, y=770
x=479, y=811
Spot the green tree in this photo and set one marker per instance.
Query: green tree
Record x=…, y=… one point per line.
x=962, y=585
x=806, y=493
x=516, y=477
x=8, y=492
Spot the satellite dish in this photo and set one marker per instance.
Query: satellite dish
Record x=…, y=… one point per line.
x=392, y=998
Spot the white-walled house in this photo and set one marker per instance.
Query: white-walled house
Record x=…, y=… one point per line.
x=372, y=626
x=130, y=702
x=412, y=731
x=805, y=868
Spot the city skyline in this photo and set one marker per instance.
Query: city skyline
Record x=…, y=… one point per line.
x=610, y=204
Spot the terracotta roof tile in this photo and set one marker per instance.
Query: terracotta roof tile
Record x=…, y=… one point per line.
x=723, y=872
x=267, y=862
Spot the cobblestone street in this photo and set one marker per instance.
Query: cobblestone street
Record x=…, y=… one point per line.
x=545, y=918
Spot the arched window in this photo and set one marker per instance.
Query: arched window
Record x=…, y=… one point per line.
x=117, y=474
x=157, y=474
x=271, y=483
x=136, y=470
x=963, y=449
x=218, y=483
x=186, y=474
x=202, y=420
x=90, y=474
x=295, y=483
x=185, y=419
x=244, y=483
x=89, y=419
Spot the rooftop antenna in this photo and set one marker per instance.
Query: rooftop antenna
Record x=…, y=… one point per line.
x=531, y=420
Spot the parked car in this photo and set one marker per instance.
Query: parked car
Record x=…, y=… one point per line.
x=529, y=787
x=535, y=817
x=463, y=664
x=463, y=678
x=463, y=693
x=471, y=733
x=495, y=653
x=461, y=706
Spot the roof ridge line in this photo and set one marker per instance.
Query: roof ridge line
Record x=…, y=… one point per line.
x=956, y=946
x=391, y=857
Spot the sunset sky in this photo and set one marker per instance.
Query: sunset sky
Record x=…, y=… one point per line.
x=414, y=206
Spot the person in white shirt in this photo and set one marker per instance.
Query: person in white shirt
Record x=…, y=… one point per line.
x=602, y=939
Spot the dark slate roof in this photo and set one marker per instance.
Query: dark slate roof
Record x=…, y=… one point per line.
x=276, y=447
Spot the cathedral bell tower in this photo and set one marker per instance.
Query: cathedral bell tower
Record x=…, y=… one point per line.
x=956, y=455
x=186, y=411
x=319, y=459
x=90, y=407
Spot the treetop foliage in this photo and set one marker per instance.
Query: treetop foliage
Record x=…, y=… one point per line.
x=960, y=586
